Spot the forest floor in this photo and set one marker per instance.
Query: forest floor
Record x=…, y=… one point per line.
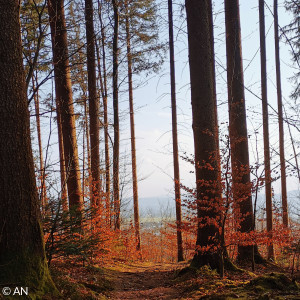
x=164, y=281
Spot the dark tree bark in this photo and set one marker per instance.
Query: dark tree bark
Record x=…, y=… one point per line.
x=175, y=138
x=132, y=133
x=116, y=147
x=280, y=120
x=268, y=187
x=64, y=101
x=62, y=161
x=238, y=125
x=22, y=255
x=93, y=103
x=204, y=122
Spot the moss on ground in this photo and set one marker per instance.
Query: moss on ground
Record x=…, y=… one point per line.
x=275, y=286
x=91, y=286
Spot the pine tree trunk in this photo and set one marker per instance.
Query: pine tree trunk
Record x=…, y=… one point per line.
x=268, y=187
x=238, y=125
x=93, y=103
x=116, y=148
x=105, y=113
x=105, y=125
x=22, y=254
x=64, y=97
x=132, y=134
x=43, y=195
x=88, y=150
x=280, y=120
x=204, y=122
x=62, y=161
x=175, y=138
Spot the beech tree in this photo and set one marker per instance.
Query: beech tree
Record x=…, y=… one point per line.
x=204, y=122
x=22, y=255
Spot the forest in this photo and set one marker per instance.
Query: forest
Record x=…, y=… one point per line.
x=149, y=149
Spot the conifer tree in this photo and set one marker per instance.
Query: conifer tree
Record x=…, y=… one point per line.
x=116, y=147
x=93, y=103
x=175, y=138
x=238, y=126
x=22, y=254
x=280, y=119
x=265, y=114
x=64, y=102
x=204, y=122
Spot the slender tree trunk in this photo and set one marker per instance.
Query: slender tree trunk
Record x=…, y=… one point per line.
x=238, y=125
x=105, y=125
x=294, y=150
x=93, y=102
x=88, y=150
x=105, y=113
x=211, y=27
x=132, y=134
x=83, y=164
x=43, y=195
x=22, y=254
x=268, y=188
x=280, y=120
x=64, y=97
x=62, y=161
x=116, y=147
x=204, y=122
x=175, y=138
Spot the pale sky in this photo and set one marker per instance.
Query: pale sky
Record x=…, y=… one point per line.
x=153, y=120
x=153, y=113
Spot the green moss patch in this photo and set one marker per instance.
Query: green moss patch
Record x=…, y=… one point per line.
x=274, y=281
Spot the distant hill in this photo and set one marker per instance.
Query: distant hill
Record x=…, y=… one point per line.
x=165, y=206
x=153, y=206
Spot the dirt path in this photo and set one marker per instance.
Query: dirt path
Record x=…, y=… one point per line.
x=153, y=281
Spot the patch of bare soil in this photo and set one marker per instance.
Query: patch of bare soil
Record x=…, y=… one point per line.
x=151, y=281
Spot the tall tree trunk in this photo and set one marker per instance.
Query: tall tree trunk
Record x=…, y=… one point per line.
x=238, y=125
x=175, y=138
x=22, y=254
x=268, y=187
x=211, y=25
x=280, y=120
x=83, y=163
x=64, y=97
x=132, y=133
x=116, y=147
x=62, y=161
x=204, y=121
x=88, y=150
x=93, y=102
x=105, y=125
x=105, y=113
x=43, y=195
